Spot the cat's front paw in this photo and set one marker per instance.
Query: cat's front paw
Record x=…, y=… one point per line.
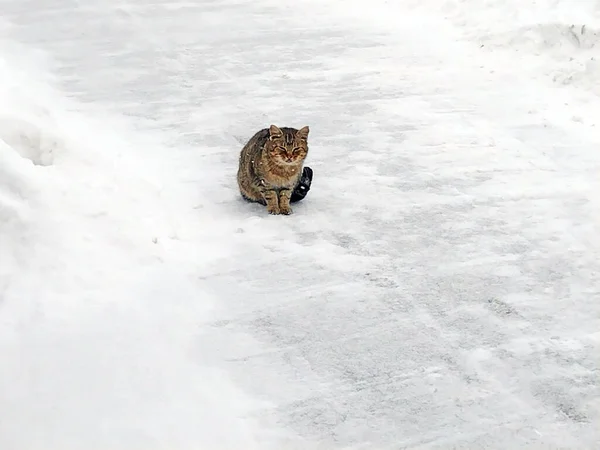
x=273, y=210
x=286, y=210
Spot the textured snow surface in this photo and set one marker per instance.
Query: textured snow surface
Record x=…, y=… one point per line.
x=438, y=288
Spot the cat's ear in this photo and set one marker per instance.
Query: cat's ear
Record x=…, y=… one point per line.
x=303, y=133
x=275, y=132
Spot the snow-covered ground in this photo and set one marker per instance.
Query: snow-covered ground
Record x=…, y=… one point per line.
x=439, y=287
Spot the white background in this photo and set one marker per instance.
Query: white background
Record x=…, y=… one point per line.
x=437, y=288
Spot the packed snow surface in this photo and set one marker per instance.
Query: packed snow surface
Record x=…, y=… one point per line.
x=438, y=288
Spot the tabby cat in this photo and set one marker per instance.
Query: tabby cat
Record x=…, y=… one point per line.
x=270, y=166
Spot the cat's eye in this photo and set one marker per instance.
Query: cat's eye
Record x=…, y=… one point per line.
x=297, y=150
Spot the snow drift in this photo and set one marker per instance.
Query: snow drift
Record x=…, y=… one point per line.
x=561, y=36
x=98, y=317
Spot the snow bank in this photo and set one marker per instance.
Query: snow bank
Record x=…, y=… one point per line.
x=16, y=186
x=562, y=35
x=26, y=124
x=537, y=24
x=23, y=144
x=100, y=311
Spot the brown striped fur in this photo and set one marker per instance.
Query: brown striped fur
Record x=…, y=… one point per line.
x=270, y=166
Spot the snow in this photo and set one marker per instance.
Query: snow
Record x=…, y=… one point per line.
x=437, y=288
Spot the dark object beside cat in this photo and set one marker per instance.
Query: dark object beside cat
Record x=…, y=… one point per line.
x=270, y=168
x=303, y=186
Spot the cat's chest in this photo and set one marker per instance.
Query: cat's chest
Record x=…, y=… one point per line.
x=281, y=177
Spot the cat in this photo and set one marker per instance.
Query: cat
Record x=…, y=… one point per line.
x=270, y=167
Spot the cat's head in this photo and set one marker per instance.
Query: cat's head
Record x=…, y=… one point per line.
x=287, y=146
